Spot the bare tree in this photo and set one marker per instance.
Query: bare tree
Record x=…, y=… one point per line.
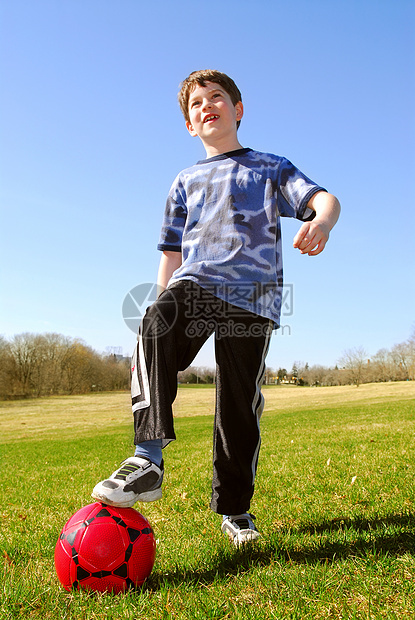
x=6, y=368
x=115, y=373
x=79, y=364
x=381, y=366
x=24, y=351
x=411, y=355
x=355, y=361
x=317, y=375
x=402, y=356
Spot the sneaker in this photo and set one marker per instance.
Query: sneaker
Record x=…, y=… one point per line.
x=137, y=480
x=240, y=528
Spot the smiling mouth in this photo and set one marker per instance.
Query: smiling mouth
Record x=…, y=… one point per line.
x=212, y=117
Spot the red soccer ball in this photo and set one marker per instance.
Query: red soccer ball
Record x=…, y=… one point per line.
x=105, y=549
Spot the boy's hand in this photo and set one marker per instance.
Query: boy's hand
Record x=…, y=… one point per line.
x=311, y=238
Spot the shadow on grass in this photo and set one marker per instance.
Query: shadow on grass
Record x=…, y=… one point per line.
x=323, y=543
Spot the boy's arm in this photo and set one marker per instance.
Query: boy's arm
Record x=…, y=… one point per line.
x=169, y=262
x=312, y=236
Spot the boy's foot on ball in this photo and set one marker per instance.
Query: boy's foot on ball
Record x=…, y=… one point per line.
x=137, y=480
x=240, y=528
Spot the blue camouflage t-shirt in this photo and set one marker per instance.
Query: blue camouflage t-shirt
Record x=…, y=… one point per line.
x=223, y=214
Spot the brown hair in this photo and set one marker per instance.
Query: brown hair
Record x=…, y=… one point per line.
x=200, y=78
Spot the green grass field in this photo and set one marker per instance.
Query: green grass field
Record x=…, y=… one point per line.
x=334, y=500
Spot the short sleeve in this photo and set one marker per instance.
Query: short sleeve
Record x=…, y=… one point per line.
x=174, y=220
x=295, y=190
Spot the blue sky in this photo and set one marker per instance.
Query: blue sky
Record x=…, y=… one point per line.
x=92, y=138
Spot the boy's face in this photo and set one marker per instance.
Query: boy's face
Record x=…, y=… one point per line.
x=212, y=114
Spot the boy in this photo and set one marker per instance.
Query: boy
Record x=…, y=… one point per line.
x=220, y=272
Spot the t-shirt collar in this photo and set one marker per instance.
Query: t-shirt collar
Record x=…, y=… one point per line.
x=230, y=154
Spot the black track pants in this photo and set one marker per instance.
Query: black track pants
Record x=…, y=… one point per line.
x=171, y=334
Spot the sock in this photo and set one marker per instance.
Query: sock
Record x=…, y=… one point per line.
x=151, y=450
x=243, y=514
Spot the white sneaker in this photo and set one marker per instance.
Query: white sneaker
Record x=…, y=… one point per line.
x=137, y=480
x=240, y=528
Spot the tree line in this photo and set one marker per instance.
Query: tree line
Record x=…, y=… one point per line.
x=34, y=365
x=354, y=367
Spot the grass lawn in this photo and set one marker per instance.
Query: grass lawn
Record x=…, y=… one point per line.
x=334, y=501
